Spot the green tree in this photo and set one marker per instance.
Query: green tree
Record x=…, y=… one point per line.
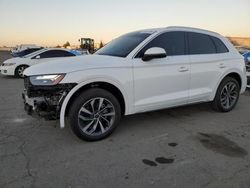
x=101, y=44
x=66, y=44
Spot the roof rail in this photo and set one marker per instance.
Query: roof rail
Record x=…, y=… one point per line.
x=191, y=28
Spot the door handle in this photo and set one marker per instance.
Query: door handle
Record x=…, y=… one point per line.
x=183, y=69
x=222, y=66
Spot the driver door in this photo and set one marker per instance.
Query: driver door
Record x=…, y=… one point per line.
x=162, y=82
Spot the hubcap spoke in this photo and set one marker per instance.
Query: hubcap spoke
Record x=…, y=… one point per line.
x=105, y=119
x=92, y=105
x=83, y=109
x=94, y=127
x=100, y=103
x=87, y=126
x=109, y=114
x=101, y=126
x=85, y=118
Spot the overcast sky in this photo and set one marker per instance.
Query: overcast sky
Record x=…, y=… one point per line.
x=52, y=22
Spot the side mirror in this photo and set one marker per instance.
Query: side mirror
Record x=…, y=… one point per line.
x=38, y=57
x=154, y=53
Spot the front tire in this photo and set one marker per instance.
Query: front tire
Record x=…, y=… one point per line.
x=227, y=95
x=19, y=71
x=94, y=114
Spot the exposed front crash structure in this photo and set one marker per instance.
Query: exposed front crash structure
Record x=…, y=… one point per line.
x=45, y=100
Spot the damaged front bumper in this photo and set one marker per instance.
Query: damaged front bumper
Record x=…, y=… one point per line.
x=45, y=101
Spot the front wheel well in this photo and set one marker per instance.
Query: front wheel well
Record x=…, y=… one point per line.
x=16, y=69
x=23, y=65
x=103, y=85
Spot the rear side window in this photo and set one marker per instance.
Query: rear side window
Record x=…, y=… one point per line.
x=172, y=42
x=200, y=44
x=220, y=46
x=67, y=54
x=55, y=53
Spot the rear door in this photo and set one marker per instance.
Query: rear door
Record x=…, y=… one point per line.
x=208, y=62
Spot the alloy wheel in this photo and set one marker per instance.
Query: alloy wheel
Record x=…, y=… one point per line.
x=20, y=71
x=96, y=116
x=229, y=95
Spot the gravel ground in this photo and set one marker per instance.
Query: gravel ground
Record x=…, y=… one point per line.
x=190, y=146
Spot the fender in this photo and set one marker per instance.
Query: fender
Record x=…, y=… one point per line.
x=80, y=85
x=223, y=76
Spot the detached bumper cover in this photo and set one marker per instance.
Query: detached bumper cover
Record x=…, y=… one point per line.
x=45, y=101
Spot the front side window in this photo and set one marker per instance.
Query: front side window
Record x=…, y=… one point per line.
x=200, y=44
x=172, y=42
x=123, y=45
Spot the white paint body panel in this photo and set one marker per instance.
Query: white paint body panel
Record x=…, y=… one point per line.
x=152, y=85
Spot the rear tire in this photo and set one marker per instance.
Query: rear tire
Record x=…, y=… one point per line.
x=94, y=114
x=227, y=95
x=19, y=71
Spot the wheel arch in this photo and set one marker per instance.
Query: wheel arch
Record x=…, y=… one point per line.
x=15, y=71
x=110, y=86
x=22, y=65
x=233, y=74
x=236, y=76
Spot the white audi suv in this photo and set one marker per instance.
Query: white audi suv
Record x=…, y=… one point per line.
x=138, y=72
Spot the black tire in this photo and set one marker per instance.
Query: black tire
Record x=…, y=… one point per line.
x=217, y=103
x=77, y=124
x=19, y=71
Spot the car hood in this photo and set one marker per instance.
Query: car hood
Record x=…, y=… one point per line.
x=73, y=64
x=16, y=60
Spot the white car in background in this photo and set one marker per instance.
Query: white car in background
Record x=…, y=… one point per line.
x=16, y=66
x=22, y=47
x=137, y=72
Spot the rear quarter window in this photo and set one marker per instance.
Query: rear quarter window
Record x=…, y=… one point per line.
x=220, y=46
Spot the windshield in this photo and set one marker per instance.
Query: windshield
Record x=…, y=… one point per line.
x=123, y=45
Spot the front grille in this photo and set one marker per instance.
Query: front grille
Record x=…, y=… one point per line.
x=248, y=68
x=26, y=82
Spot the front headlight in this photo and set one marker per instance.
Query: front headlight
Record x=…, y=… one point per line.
x=46, y=80
x=8, y=64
